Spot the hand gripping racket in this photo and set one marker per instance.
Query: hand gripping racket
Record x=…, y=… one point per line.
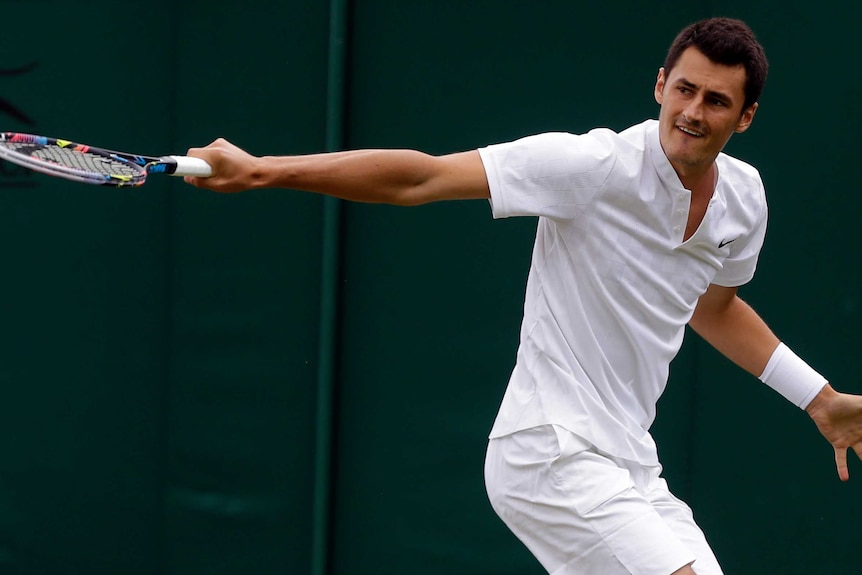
x=90, y=165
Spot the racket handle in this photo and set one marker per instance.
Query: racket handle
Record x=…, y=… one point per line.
x=188, y=166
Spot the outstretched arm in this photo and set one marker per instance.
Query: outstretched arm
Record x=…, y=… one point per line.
x=400, y=177
x=734, y=329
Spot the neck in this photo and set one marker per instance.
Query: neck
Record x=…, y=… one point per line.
x=699, y=179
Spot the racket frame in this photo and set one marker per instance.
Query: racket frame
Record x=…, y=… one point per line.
x=142, y=165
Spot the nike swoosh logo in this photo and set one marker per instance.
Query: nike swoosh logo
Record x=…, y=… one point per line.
x=724, y=243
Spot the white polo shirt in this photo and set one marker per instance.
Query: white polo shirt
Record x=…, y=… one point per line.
x=612, y=284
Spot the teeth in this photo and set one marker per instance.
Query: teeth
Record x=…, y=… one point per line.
x=690, y=132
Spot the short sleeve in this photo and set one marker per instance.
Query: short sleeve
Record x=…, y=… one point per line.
x=553, y=175
x=739, y=267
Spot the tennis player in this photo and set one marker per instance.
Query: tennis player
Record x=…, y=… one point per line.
x=640, y=233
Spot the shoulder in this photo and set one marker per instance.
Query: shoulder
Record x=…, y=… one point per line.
x=597, y=141
x=596, y=150
x=740, y=176
x=742, y=191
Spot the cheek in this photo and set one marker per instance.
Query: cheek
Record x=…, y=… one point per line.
x=728, y=125
x=666, y=112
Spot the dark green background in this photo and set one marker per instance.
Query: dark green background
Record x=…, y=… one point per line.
x=161, y=355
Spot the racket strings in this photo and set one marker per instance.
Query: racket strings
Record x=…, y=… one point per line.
x=78, y=160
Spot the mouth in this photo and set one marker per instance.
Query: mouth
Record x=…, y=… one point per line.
x=691, y=132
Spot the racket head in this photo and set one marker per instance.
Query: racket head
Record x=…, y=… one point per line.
x=73, y=161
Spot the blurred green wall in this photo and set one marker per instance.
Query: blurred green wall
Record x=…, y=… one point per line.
x=164, y=347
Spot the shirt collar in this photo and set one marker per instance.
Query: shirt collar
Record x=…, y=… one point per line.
x=662, y=165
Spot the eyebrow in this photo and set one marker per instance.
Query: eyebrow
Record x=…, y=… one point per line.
x=710, y=93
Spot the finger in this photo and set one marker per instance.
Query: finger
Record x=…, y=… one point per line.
x=841, y=463
x=194, y=152
x=192, y=181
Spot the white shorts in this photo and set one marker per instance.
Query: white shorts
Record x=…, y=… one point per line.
x=582, y=512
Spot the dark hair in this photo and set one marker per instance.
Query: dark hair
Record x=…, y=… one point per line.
x=725, y=41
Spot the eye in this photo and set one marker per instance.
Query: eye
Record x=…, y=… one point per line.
x=719, y=103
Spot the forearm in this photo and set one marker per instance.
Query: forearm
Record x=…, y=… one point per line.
x=373, y=176
x=738, y=332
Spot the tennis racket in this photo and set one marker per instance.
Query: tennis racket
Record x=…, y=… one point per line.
x=91, y=165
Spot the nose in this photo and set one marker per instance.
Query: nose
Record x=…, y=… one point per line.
x=693, y=113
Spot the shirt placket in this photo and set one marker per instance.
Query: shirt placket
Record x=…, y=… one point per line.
x=679, y=215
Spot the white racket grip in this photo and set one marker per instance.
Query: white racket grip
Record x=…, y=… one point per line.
x=188, y=166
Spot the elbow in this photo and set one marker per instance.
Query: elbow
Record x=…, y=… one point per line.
x=413, y=195
x=694, y=323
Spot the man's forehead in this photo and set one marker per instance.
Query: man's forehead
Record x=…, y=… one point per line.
x=695, y=69
x=694, y=60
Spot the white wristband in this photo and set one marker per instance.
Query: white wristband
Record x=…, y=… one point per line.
x=790, y=376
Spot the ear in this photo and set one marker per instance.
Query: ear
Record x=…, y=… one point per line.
x=659, y=85
x=746, y=118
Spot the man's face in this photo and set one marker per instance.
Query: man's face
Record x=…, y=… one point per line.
x=701, y=107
